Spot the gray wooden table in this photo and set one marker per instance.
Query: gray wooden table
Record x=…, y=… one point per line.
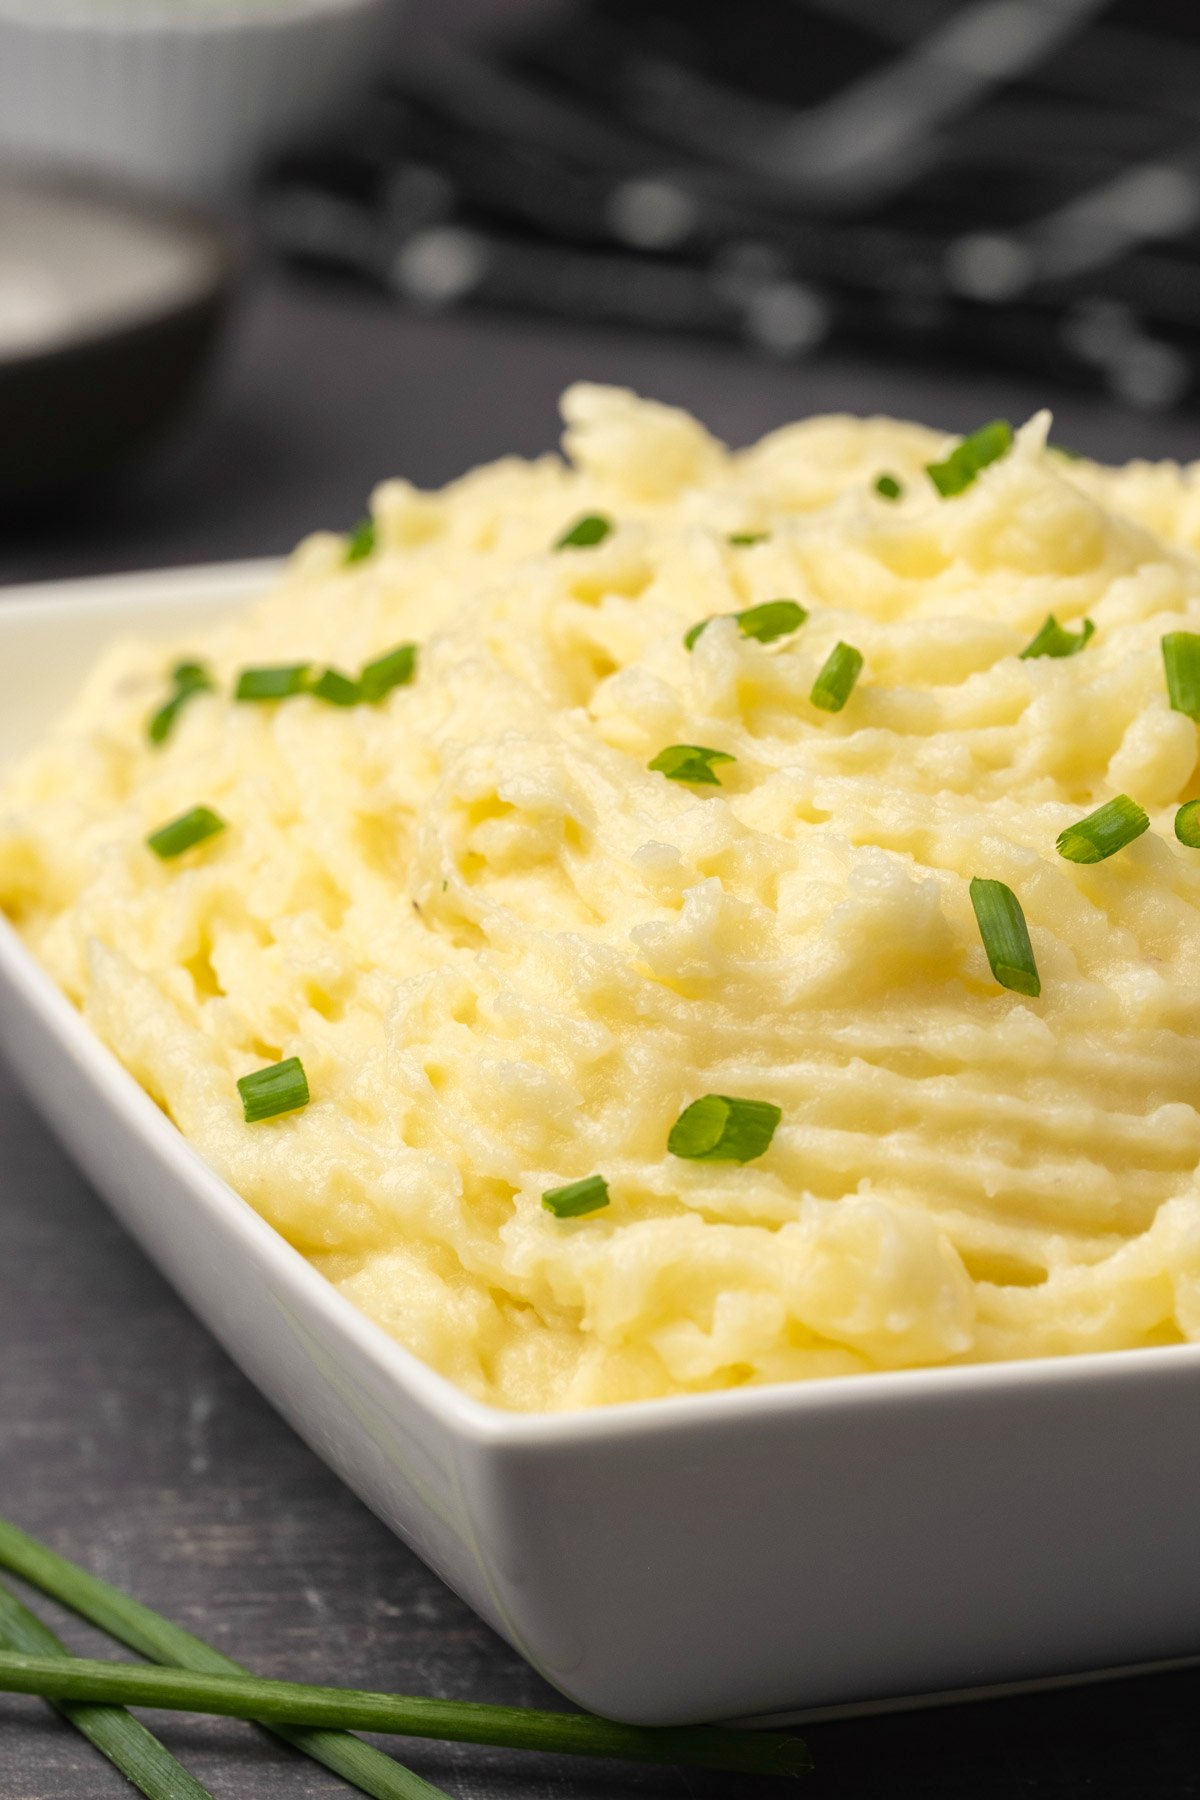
x=126, y=1437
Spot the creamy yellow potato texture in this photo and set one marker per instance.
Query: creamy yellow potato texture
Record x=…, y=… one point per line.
x=509, y=953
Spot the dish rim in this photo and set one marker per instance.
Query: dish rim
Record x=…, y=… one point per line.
x=480, y=1422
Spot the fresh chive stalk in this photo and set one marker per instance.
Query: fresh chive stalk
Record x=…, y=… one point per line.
x=959, y=469
x=244, y=1696
x=1181, y=659
x=392, y=670
x=1187, y=824
x=184, y=833
x=888, y=488
x=593, y=528
x=115, y=1733
x=361, y=541
x=690, y=762
x=577, y=1197
x=280, y=1088
x=835, y=682
x=190, y=678
x=719, y=1128
x=1005, y=936
x=1053, y=639
x=772, y=619
x=1103, y=832
x=147, y=1632
x=278, y=683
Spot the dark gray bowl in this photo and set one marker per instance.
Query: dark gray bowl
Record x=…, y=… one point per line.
x=109, y=309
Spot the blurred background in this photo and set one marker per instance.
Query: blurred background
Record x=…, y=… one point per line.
x=257, y=254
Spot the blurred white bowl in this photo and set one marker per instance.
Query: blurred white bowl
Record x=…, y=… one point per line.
x=184, y=96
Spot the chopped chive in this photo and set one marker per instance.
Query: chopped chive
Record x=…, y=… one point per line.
x=336, y=689
x=392, y=670
x=184, y=833
x=749, y=537
x=593, y=528
x=189, y=678
x=281, y=1088
x=773, y=619
x=1181, y=659
x=146, y=1763
x=719, y=1128
x=1005, y=936
x=962, y=465
x=690, y=762
x=278, y=683
x=577, y=1197
x=153, y=1636
x=1187, y=824
x=161, y=722
x=361, y=541
x=1103, y=832
x=1053, y=639
x=834, y=684
x=888, y=487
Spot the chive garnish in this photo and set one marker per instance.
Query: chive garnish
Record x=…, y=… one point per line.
x=959, y=469
x=278, y=683
x=336, y=689
x=1187, y=824
x=151, y=1635
x=690, y=762
x=834, y=684
x=190, y=828
x=749, y=537
x=361, y=541
x=772, y=619
x=392, y=670
x=1053, y=639
x=161, y=722
x=1005, y=936
x=1181, y=659
x=577, y=1197
x=719, y=1128
x=888, y=487
x=1103, y=832
x=281, y=1088
x=189, y=678
x=136, y=1752
x=593, y=528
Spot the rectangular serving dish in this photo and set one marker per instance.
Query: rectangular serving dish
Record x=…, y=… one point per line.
x=772, y=1550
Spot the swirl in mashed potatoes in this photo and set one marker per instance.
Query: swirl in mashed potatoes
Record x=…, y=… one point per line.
x=509, y=954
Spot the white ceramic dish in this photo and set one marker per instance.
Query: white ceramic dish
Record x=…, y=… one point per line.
x=774, y=1550
x=185, y=97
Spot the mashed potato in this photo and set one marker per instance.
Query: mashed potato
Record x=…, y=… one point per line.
x=509, y=954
